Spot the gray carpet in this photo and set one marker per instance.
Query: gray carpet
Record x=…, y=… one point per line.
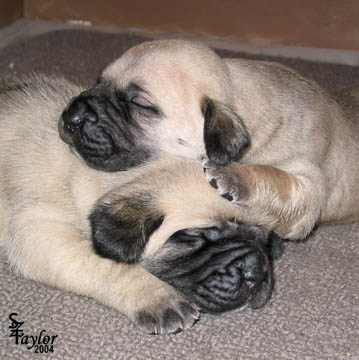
x=313, y=313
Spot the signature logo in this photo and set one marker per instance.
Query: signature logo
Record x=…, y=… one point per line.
x=41, y=343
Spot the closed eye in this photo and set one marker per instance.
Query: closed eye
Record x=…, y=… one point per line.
x=135, y=98
x=145, y=105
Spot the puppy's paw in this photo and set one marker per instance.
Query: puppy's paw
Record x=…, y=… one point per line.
x=226, y=181
x=164, y=312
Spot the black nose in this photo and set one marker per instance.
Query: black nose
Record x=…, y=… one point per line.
x=77, y=113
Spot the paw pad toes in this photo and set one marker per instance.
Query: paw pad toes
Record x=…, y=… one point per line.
x=147, y=323
x=172, y=319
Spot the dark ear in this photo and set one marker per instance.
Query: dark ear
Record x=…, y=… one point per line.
x=122, y=226
x=225, y=135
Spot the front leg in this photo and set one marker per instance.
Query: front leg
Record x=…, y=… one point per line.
x=217, y=266
x=286, y=203
x=43, y=247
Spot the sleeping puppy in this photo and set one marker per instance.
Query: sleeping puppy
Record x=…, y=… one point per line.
x=47, y=193
x=222, y=264
x=279, y=147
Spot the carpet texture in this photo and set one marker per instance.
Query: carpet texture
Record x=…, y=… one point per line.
x=313, y=314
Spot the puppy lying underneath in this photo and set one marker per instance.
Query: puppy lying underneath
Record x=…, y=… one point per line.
x=47, y=193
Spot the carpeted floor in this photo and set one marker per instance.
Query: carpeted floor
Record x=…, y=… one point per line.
x=313, y=314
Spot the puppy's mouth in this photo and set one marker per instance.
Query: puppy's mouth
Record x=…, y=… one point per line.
x=219, y=269
x=102, y=133
x=235, y=278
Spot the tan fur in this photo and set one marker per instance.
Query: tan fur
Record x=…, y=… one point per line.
x=46, y=195
x=301, y=167
x=181, y=192
x=303, y=142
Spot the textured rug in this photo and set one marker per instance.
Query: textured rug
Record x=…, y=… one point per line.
x=313, y=314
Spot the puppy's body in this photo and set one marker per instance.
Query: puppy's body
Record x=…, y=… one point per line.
x=47, y=193
x=278, y=145
x=302, y=130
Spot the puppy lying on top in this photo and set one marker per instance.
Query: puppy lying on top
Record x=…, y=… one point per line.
x=161, y=218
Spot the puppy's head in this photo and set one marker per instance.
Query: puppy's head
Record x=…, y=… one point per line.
x=104, y=126
x=218, y=268
x=168, y=96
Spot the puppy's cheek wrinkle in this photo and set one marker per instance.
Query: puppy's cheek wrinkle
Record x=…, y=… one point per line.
x=218, y=269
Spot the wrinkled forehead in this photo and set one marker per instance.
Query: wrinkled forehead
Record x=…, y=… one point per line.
x=162, y=67
x=148, y=69
x=163, y=54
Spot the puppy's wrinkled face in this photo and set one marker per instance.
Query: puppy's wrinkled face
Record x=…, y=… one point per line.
x=153, y=100
x=106, y=126
x=218, y=268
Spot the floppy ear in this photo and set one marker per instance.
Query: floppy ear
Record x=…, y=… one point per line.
x=225, y=135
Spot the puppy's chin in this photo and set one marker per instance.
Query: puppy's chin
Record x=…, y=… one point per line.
x=100, y=152
x=219, y=269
